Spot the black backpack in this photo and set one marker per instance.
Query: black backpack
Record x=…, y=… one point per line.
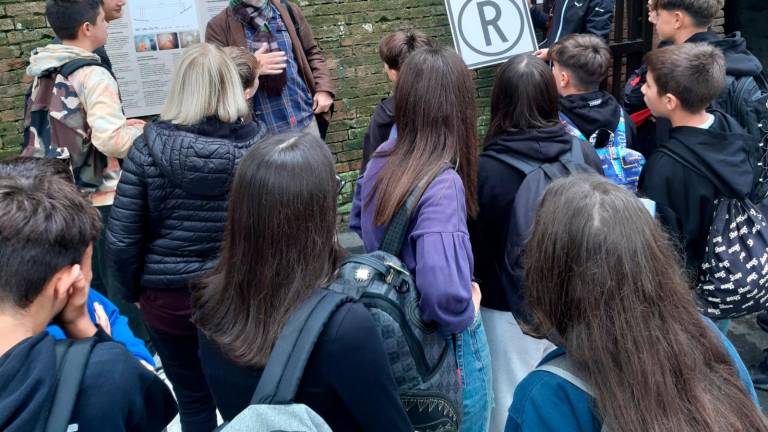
x=71, y=360
x=733, y=277
x=746, y=100
x=538, y=175
x=422, y=361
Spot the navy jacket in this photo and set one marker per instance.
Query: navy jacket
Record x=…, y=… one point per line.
x=167, y=222
x=573, y=16
x=116, y=394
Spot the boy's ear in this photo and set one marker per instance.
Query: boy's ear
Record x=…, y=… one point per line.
x=679, y=18
x=85, y=30
x=64, y=279
x=564, y=79
x=671, y=102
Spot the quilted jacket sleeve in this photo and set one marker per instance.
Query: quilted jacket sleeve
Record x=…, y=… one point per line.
x=127, y=226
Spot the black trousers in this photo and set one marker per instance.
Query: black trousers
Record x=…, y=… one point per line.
x=182, y=367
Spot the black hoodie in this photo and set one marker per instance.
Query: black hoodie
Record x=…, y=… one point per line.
x=116, y=394
x=497, y=185
x=685, y=198
x=596, y=110
x=378, y=130
x=739, y=62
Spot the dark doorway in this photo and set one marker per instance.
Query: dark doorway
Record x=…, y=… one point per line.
x=630, y=39
x=750, y=17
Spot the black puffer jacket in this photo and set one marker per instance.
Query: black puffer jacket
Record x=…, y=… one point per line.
x=168, y=218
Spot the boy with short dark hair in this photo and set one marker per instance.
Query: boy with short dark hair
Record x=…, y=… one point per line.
x=47, y=230
x=394, y=49
x=86, y=119
x=580, y=63
x=682, y=81
x=688, y=21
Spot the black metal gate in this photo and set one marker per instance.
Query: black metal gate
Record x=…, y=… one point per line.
x=630, y=39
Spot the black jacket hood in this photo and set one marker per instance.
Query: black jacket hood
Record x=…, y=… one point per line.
x=592, y=111
x=738, y=60
x=721, y=152
x=200, y=159
x=540, y=144
x=27, y=382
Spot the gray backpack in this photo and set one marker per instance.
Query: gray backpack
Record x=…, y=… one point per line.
x=272, y=408
x=422, y=361
x=538, y=175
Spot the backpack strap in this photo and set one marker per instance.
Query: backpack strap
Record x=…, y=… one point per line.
x=571, y=128
x=398, y=226
x=563, y=367
x=521, y=163
x=667, y=151
x=72, y=66
x=528, y=165
x=71, y=360
x=575, y=155
x=285, y=367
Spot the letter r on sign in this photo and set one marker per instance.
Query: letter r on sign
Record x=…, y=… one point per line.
x=488, y=23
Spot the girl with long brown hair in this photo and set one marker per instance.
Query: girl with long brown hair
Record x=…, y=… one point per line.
x=606, y=286
x=525, y=125
x=279, y=248
x=436, y=145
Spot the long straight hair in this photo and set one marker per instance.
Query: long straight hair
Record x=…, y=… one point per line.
x=603, y=280
x=436, y=124
x=279, y=245
x=524, y=96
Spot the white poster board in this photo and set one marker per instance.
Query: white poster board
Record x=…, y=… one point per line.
x=145, y=44
x=487, y=32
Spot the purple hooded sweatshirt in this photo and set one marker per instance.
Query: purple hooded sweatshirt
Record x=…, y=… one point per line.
x=436, y=251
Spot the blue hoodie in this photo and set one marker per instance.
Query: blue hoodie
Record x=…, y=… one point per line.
x=121, y=332
x=545, y=402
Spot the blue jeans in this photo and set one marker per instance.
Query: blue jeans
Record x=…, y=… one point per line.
x=474, y=361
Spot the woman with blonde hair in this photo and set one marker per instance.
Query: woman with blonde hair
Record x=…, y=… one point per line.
x=168, y=219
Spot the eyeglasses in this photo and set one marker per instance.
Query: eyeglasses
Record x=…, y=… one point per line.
x=342, y=183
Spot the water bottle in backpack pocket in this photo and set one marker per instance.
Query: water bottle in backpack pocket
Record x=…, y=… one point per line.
x=423, y=361
x=620, y=164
